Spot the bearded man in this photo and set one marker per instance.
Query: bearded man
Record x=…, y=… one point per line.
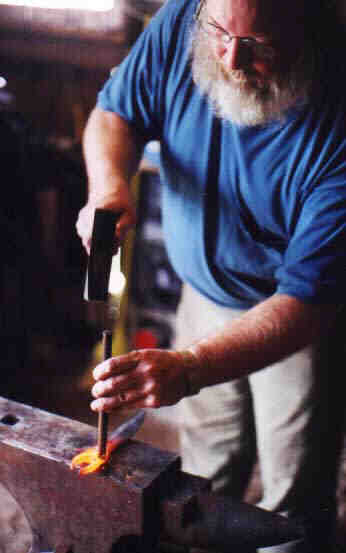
x=247, y=100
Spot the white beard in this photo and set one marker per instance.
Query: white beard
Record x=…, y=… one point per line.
x=241, y=98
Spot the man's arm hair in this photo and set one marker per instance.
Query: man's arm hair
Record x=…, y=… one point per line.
x=266, y=334
x=112, y=151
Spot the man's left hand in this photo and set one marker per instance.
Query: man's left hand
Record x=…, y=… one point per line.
x=141, y=378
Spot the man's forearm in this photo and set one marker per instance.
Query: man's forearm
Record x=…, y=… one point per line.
x=267, y=333
x=112, y=152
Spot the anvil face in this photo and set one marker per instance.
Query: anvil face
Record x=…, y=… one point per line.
x=72, y=513
x=141, y=499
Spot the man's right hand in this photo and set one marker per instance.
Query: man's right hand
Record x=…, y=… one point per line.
x=120, y=201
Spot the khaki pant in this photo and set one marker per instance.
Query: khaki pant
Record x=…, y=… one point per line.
x=289, y=414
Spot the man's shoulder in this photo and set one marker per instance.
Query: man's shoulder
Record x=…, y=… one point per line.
x=176, y=10
x=178, y=5
x=169, y=31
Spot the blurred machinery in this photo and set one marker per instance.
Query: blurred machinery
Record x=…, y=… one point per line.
x=154, y=287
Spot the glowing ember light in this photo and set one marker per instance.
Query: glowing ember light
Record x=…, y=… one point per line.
x=89, y=461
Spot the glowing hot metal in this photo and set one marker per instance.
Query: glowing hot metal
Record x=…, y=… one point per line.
x=89, y=460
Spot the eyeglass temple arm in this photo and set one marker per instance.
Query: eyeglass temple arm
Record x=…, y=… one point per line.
x=199, y=9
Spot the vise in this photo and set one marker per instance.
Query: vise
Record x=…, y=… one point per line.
x=140, y=502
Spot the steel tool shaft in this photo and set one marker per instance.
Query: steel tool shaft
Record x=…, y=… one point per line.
x=102, y=430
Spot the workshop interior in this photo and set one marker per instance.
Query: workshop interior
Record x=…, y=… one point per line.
x=54, y=60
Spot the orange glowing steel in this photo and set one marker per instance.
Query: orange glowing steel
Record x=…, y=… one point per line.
x=89, y=460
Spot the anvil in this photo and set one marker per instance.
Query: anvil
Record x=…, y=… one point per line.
x=140, y=502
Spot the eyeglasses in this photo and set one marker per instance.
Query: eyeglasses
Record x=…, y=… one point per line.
x=250, y=45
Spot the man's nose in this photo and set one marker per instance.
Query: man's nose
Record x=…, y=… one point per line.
x=233, y=55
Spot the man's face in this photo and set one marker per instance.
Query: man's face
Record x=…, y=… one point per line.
x=228, y=25
x=249, y=49
x=259, y=23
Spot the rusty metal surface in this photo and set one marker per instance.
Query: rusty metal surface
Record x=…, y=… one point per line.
x=143, y=497
x=217, y=522
x=68, y=512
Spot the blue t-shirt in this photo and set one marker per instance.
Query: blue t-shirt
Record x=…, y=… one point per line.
x=247, y=211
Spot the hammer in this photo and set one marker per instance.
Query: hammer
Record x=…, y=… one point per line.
x=100, y=266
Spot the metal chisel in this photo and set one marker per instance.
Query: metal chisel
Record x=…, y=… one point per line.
x=104, y=276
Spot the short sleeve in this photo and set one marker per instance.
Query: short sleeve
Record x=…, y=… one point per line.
x=135, y=90
x=314, y=267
